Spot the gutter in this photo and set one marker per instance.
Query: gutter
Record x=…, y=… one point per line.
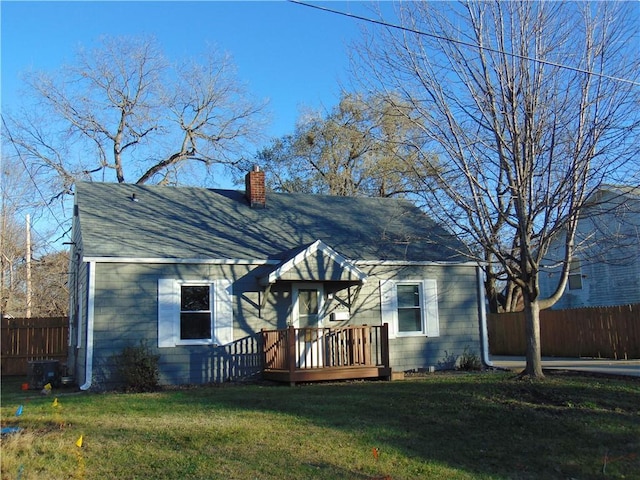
x=484, y=331
x=88, y=370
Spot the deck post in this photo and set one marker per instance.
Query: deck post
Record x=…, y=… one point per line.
x=384, y=338
x=291, y=352
x=263, y=347
x=366, y=344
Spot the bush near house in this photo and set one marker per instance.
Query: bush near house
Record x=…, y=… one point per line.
x=138, y=369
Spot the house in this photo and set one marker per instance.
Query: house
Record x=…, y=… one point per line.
x=202, y=276
x=605, y=270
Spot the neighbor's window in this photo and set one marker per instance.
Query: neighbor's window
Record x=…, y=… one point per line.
x=575, y=275
x=409, y=308
x=195, y=312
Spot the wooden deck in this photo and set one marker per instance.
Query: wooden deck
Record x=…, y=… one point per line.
x=316, y=354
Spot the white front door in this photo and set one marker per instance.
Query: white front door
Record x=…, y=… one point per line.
x=307, y=312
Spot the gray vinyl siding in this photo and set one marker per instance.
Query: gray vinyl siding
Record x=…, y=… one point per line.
x=457, y=310
x=126, y=312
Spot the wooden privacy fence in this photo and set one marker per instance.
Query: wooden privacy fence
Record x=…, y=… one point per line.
x=601, y=332
x=27, y=339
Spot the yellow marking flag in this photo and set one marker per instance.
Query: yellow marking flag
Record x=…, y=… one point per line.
x=79, y=442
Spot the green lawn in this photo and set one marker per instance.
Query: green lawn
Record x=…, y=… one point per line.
x=450, y=426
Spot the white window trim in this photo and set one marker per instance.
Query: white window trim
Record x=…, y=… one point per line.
x=428, y=307
x=198, y=341
x=169, y=313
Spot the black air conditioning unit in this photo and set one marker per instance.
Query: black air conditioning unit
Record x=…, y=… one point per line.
x=41, y=372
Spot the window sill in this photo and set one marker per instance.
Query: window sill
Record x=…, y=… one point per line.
x=191, y=343
x=410, y=334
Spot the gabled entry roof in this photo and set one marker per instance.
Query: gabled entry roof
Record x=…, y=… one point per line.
x=316, y=262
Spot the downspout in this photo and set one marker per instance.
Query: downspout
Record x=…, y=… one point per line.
x=484, y=331
x=88, y=371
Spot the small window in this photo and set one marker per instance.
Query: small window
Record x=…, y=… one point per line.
x=195, y=312
x=575, y=275
x=409, y=309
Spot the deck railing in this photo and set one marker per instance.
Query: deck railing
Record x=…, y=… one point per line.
x=344, y=348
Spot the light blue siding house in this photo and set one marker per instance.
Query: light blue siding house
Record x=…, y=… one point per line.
x=605, y=270
x=198, y=274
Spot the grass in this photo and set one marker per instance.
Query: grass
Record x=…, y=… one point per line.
x=450, y=426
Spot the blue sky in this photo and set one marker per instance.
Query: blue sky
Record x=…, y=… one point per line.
x=292, y=54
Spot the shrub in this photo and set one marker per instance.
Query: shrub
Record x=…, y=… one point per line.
x=448, y=362
x=137, y=367
x=469, y=360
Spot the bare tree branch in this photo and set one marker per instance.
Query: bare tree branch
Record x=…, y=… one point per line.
x=122, y=111
x=522, y=144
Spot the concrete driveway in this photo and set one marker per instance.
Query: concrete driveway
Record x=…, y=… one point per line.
x=593, y=365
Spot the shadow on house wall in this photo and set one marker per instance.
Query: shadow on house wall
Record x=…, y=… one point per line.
x=239, y=360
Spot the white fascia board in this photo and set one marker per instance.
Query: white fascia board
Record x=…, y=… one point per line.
x=338, y=258
x=401, y=263
x=197, y=261
x=310, y=250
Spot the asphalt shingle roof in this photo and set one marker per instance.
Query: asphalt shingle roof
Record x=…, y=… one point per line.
x=189, y=222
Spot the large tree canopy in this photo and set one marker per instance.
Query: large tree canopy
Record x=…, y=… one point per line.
x=521, y=140
x=359, y=148
x=122, y=112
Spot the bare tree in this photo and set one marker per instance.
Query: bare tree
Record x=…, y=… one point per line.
x=530, y=106
x=16, y=197
x=12, y=251
x=50, y=287
x=48, y=271
x=122, y=112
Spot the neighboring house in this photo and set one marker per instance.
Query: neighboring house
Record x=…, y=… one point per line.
x=197, y=274
x=605, y=270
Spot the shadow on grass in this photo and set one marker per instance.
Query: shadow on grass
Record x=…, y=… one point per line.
x=488, y=425
x=564, y=427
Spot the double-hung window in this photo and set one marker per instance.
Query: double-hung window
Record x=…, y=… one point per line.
x=410, y=307
x=410, y=313
x=194, y=312
x=575, y=274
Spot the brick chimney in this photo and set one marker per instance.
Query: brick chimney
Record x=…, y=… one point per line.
x=255, y=189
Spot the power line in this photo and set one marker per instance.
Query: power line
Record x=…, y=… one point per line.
x=461, y=42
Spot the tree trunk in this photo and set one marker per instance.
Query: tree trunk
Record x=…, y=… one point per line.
x=533, y=367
